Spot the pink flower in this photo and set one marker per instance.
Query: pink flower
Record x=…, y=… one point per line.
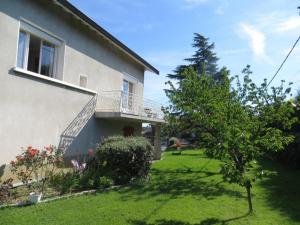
x=49, y=148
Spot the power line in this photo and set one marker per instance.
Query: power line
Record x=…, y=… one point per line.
x=284, y=61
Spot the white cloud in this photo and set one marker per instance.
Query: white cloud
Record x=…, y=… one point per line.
x=233, y=51
x=290, y=24
x=256, y=41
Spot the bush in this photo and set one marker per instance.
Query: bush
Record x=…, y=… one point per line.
x=124, y=158
x=64, y=182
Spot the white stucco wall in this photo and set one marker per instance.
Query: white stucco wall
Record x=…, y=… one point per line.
x=36, y=112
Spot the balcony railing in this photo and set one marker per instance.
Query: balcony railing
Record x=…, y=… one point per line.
x=128, y=103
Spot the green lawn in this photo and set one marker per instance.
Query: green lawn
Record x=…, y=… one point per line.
x=183, y=190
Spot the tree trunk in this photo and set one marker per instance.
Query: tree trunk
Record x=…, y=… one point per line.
x=248, y=188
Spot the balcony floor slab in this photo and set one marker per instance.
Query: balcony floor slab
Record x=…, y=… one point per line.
x=125, y=116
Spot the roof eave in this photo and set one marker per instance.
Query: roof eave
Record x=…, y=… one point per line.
x=80, y=15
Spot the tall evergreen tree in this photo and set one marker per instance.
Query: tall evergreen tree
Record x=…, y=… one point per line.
x=204, y=58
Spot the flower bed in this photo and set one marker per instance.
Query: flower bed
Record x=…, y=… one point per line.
x=43, y=174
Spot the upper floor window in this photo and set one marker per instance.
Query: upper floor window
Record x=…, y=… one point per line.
x=127, y=87
x=127, y=96
x=37, y=51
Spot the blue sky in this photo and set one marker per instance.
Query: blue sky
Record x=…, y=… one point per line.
x=256, y=32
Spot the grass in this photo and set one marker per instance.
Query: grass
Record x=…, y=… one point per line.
x=184, y=190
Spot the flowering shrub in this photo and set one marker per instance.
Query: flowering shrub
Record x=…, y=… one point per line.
x=36, y=164
x=5, y=187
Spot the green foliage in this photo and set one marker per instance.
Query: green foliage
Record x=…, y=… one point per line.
x=236, y=123
x=125, y=158
x=87, y=180
x=291, y=155
x=64, y=182
x=105, y=182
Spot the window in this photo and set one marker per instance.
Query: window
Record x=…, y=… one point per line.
x=47, y=59
x=37, y=51
x=21, y=49
x=83, y=81
x=127, y=96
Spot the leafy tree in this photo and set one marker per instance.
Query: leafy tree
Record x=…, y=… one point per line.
x=203, y=58
x=235, y=123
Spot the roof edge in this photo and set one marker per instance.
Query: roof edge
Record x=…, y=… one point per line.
x=92, y=23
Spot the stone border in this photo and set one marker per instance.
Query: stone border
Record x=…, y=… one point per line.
x=20, y=204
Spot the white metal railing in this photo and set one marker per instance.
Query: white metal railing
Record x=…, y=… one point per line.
x=128, y=103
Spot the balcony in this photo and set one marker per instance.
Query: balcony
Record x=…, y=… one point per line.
x=119, y=104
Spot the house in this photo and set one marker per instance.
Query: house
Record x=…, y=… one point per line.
x=66, y=81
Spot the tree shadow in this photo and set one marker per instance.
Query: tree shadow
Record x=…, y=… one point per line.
x=282, y=189
x=209, y=221
x=177, y=183
x=185, y=180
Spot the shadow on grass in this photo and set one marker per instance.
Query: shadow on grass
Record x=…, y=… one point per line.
x=177, y=183
x=282, y=189
x=181, y=181
x=209, y=221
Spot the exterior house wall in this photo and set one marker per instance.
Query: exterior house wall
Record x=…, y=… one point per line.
x=38, y=112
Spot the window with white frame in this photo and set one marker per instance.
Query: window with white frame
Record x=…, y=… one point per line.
x=127, y=96
x=38, y=51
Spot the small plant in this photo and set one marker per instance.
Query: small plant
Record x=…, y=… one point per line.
x=64, y=182
x=5, y=188
x=87, y=180
x=105, y=182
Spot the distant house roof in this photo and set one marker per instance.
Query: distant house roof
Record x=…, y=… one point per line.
x=84, y=18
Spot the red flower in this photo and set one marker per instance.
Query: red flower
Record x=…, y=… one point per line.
x=32, y=152
x=90, y=152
